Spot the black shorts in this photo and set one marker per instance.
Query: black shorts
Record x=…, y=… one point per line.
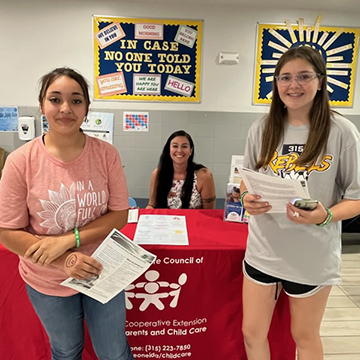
x=291, y=288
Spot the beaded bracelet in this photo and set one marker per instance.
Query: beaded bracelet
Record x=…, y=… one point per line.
x=77, y=237
x=328, y=218
x=242, y=198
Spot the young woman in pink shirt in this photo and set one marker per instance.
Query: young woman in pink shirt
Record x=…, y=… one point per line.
x=60, y=196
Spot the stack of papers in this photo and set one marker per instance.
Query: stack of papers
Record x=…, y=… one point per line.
x=275, y=190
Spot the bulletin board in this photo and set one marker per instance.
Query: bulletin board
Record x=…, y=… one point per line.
x=338, y=46
x=147, y=59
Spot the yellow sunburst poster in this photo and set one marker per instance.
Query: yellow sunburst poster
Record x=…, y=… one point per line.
x=338, y=46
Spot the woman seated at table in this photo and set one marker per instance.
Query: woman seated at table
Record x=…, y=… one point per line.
x=178, y=182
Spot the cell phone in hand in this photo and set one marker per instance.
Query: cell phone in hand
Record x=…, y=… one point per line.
x=305, y=204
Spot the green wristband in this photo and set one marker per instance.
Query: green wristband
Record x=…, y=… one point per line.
x=328, y=218
x=242, y=198
x=77, y=237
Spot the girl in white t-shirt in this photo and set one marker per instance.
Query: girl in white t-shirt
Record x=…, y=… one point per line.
x=300, y=250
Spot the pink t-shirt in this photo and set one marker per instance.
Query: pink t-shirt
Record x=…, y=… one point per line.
x=46, y=196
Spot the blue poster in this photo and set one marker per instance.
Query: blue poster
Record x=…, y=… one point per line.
x=9, y=119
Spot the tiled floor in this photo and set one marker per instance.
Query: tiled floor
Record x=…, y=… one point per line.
x=340, y=329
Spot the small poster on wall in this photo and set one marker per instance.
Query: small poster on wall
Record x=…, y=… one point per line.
x=44, y=124
x=136, y=121
x=147, y=59
x=338, y=46
x=9, y=119
x=99, y=125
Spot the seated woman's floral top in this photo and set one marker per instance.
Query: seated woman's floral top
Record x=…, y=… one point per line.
x=174, y=199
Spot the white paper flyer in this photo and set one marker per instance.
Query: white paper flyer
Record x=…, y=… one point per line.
x=123, y=262
x=275, y=190
x=161, y=230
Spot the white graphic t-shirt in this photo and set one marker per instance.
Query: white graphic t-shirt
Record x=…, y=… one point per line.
x=305, y=254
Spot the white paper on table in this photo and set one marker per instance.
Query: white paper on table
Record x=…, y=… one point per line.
x=133, y=215
x=161, y=230
x=123, y=262
x=275, y=190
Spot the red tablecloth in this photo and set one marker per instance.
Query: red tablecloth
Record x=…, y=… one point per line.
x=188, y=305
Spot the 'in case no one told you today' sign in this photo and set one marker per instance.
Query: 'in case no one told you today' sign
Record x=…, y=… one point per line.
x=147, y=59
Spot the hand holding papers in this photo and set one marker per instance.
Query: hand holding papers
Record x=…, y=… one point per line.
x=123, y=261
x=161, y=229
x=275, y=190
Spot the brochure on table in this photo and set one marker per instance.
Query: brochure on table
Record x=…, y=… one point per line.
x=233, y=210
x=161, y=230
x=237, y=162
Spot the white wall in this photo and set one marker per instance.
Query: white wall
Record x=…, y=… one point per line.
x=39, y=35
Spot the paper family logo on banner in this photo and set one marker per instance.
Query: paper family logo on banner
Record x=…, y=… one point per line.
x=154, y=292
x=338, y=46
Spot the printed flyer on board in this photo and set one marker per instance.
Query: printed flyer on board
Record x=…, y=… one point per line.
x=123, y=262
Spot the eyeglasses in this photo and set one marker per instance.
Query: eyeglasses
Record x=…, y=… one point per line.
x=301, y=79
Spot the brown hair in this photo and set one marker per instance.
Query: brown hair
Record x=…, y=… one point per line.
x=49, y=78
x=319, y=114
